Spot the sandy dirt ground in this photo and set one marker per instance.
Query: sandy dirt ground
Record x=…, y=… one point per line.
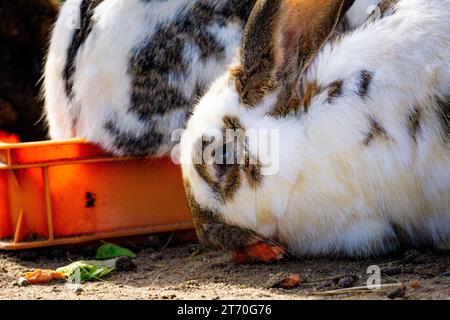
x=175, y=270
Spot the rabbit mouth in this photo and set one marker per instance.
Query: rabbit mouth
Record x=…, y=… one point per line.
x=213, y=232
x=217, y=235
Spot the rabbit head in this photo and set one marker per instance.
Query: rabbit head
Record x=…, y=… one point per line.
x=235, y=178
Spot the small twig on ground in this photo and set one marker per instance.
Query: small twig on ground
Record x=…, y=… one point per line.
x=361, y=289
x=391, y=278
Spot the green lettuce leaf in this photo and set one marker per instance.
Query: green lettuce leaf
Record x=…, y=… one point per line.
x=109, y=251
x=82, y=271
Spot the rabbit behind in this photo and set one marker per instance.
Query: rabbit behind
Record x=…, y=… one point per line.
x=126, y=74
x=364, y=133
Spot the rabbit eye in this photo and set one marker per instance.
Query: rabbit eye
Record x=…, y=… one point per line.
x=227, y=154
x=222, y=154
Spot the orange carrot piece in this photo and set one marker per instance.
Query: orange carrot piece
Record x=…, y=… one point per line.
x=40, y=276
x=258, y=252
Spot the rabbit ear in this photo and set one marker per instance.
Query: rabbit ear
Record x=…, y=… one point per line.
x=280, y=40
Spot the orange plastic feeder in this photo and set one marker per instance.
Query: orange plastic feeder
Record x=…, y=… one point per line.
x=68, y=192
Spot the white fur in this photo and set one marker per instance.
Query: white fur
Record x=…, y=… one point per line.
x=57, y=107
x=333, y=194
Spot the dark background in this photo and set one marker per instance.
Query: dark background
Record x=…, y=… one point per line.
x=25, y=26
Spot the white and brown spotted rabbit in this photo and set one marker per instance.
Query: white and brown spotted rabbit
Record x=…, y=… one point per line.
x=363, y=120
x=126, y=73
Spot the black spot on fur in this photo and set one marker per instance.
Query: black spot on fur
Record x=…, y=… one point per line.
x=335, y=90
x=232, y=122
x=80, y=35
x=239, y=9
x=135, y=145
x=363, y=83
x=414, y=119
x=253, y=172
x=161, y=57
x=375, y=130
x=443, y=112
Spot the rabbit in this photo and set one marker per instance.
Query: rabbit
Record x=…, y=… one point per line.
x=363, y=126
x=125, y=74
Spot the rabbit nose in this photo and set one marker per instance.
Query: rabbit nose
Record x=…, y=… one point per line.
x=212, y=231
